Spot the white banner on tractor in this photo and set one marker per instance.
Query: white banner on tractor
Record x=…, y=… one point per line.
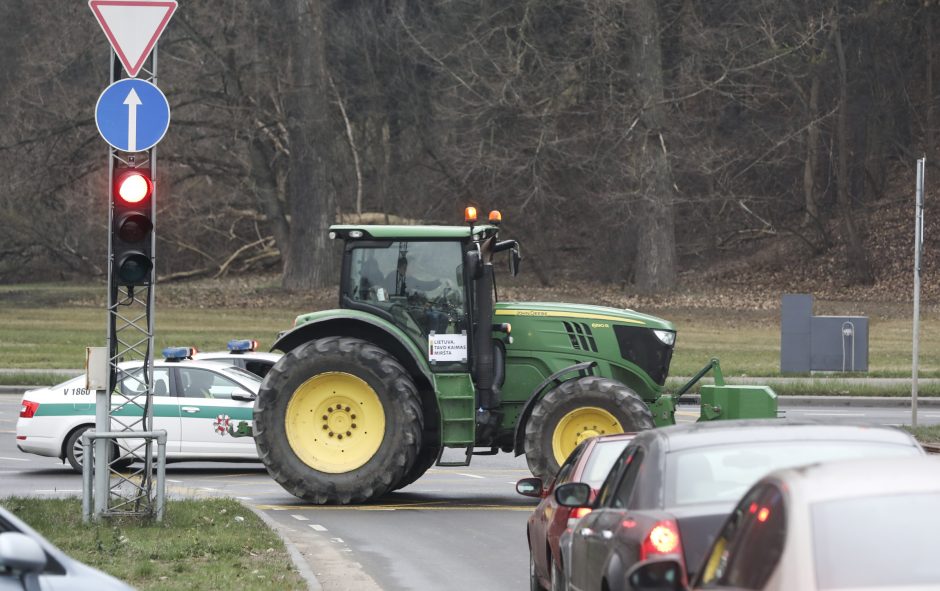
x=447, y=347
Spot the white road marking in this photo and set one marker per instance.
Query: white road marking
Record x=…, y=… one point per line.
x=16, y=459
x=243, y=498
x=337, y=540
x=174, y=481
x=835, y=414
x=300, y=518
x=317, y=527
x=471, y=475
x=208, y=489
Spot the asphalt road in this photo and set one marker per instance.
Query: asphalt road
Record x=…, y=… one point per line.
x=456, y=528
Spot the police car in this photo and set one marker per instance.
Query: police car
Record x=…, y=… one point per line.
x=243, y=353
x=201, y=404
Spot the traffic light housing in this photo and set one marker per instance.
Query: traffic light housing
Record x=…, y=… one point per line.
x=132, y=227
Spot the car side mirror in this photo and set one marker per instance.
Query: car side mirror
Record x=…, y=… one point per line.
x=662, y=574
x=19, y=552
x=243, y=395
x=573, y=494
x=530, y=487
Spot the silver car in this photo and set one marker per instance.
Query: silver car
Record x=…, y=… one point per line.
x=848, y=525
x=30, y=562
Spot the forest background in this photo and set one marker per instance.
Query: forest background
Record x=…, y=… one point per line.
x=648, y=144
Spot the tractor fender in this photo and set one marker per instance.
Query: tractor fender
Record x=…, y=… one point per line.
x=583, y=369
x=351, y=323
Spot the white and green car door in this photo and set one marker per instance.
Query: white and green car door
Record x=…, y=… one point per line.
x=166, y=408
x=213, y=402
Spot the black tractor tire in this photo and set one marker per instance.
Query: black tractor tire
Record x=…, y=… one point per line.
x=396, y=393
x=591, y=391
x=74, y=453
x=427, y=457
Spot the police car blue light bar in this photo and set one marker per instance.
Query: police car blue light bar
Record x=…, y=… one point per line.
x=242, y=345
x=178, y=353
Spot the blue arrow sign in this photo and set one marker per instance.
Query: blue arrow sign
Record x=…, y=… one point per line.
x=132, y=115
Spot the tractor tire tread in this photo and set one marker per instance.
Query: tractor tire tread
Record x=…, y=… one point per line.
x=373, y=479
x=626, y=404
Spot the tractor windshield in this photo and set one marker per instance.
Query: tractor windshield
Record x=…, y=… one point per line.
x=420, y=284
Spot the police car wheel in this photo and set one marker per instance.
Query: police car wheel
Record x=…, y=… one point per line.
x=338, y=420
x=74, y=452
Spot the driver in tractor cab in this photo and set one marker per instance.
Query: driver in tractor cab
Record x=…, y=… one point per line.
x=404, y=284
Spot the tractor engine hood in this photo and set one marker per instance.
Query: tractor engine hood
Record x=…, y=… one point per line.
x=505, y=311
x=576, y=332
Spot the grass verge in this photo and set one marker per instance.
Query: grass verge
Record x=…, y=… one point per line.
x=201, y=544
x=925, y=434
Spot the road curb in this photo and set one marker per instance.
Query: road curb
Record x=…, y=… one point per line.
x=300, y=563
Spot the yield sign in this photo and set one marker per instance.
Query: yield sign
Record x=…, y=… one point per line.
x=133, y=27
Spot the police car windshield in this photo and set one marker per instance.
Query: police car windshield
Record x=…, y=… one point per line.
x=243, y=373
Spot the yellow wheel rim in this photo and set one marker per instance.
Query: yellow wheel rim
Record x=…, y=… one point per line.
x=580, y=424
x=335, y=422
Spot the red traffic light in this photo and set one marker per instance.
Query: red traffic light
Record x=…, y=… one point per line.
x=133, y=187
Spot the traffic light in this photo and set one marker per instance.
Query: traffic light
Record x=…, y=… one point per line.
x=132, y=227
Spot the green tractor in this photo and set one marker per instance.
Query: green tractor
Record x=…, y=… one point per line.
x=420, y=357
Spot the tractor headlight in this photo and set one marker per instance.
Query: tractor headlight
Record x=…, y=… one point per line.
x=666, y=336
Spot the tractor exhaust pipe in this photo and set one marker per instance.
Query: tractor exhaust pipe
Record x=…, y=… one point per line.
x=483, y=366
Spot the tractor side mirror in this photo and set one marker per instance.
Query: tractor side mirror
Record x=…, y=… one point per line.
x=514, y=259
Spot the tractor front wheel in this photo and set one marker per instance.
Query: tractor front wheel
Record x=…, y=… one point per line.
x=338, y=420
x=577, y=410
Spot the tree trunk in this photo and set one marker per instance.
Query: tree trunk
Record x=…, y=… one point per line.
x=654, y=227
x=857, y=259
x=309, y=262
x=812, y=155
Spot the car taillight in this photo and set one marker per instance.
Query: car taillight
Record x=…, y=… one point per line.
x=28, y=409
x=576, y=514
x=663, y=539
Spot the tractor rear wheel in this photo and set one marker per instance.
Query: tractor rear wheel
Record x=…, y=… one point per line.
x=338, y=420
x=577, y=410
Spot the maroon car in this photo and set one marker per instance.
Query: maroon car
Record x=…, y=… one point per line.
x=589, y=463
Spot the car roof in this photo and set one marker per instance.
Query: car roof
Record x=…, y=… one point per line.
x=265, y=355
x=688, y=436
x=847, y=479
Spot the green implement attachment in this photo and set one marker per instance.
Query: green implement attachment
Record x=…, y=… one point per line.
x=727, y=401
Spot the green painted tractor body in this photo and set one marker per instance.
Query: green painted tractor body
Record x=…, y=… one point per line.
x=420, y=339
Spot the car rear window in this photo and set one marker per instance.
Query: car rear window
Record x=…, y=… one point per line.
x=872, y=542
x=724, y=472
x=602, y=458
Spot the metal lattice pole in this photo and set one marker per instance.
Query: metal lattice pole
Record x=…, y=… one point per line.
x=128, y=403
